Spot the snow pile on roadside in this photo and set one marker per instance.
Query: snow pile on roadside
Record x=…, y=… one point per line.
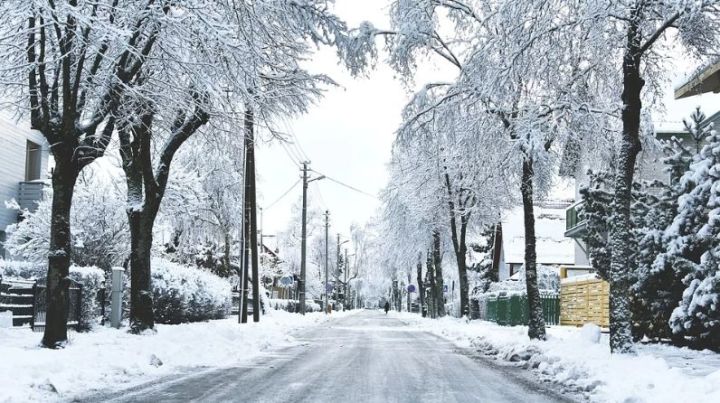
x=109, y=358
x=580, y=361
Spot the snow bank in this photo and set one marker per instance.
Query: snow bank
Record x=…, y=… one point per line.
x=571, y=357
x=109, y=358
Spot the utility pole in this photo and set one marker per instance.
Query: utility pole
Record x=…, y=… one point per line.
x=346, y=269
x=252, y=202
x=421, y=286
x=303, y=241
x=327, y=227
x=337, y=265
x=301, y=284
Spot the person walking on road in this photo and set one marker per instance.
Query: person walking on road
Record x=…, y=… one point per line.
x=387, y=307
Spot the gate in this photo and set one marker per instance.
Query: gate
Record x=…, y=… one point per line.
x=74, y=304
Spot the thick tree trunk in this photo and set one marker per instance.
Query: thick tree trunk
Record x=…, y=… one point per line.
x=421, y=287
x=63, y=183
x=141, y=294
x=620, y=317
x=536, y=325
x=439, y=283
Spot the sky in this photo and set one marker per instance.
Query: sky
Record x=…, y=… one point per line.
x=347, y=136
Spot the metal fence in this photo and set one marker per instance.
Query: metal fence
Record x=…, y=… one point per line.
x=27, y=300
x=74, y=305
x=513, y=310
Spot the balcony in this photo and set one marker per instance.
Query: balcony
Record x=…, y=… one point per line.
x=30, y=193
x=574, y=226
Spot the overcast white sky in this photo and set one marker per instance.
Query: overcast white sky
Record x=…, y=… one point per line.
x=347, y=136
x=349, y=133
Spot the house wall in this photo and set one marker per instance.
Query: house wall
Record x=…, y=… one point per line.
x=13, y=144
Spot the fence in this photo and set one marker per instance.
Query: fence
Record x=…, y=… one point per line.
x=17, y=297
x=584, y=300
x=27, y=301
x=513, y=310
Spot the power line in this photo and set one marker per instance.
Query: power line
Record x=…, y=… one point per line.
x=316, y=189
x=283, y=195
x=289, y=154
x=346, y=185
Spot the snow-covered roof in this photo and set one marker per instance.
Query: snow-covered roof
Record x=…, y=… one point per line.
x=704, y=79
x=552, y=245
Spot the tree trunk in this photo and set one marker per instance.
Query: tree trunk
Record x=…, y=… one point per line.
x=141, y=292
x=460, y=254
x=226, y=260
x=63, y=183
x=536, y=325
x=421, y=288
x=620, y=317
x=460, y=248
x=408, y=291
x=439, y=283
x=432, y=300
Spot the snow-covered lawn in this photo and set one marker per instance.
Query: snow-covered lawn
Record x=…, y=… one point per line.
x=576, y=359
x=109, y=358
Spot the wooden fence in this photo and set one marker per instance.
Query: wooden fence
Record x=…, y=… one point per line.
x=584, y=301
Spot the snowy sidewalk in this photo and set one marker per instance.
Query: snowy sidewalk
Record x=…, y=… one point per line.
x=112, y=359
x=575, y=359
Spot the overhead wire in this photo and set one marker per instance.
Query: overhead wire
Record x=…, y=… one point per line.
x=282, y=196
x=345, y=185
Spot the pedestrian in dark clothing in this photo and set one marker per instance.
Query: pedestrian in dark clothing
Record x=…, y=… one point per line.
x=387, y=307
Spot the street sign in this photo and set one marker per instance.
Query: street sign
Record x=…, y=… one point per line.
x=329, y=287
x=287, y=281
x=411, y=288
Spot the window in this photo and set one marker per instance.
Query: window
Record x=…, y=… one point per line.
x=33, y=161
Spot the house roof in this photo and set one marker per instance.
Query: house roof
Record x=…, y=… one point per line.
x=705, y=79
x=551, y=244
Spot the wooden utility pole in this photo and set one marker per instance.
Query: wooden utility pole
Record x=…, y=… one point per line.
x=421, y=287
x=252, y=204
x=327, y=227
x=346, y=269
x=303, y=241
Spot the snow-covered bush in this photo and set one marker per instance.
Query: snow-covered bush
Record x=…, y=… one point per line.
x=90, y=278
x=100, y=233
x=548, y=281
x=186, y=294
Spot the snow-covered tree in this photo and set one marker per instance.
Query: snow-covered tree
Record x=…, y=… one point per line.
x=694, y=247
x=99, y=227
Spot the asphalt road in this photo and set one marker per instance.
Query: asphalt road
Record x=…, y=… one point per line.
x=366, y=357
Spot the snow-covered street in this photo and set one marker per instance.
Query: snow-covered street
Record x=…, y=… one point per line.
x=362, y=357
x=108, y=359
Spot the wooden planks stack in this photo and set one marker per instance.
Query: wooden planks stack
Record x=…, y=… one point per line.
x=584, y=301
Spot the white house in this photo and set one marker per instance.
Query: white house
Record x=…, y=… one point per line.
x=23, y=170
x=553, y=248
